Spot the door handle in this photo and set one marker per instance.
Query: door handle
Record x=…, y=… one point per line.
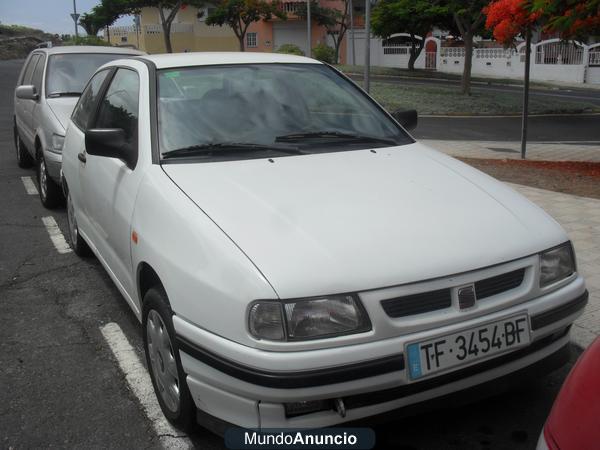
x=81, y=157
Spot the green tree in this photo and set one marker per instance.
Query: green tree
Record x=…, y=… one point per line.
x=469, y=19
x=335, y=21
x=101, y=16
x=415, y=17
x=239, y=14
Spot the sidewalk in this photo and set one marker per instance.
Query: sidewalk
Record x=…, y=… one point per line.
x=580, y=217
x=553, y=151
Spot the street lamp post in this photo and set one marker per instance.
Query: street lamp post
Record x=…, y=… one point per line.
x=366, y=81
x=308, y=30
x=75, y=18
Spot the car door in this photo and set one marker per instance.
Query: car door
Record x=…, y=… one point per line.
x=23, y=107
x=109, y=185
x=74, y=146
x=36, y=80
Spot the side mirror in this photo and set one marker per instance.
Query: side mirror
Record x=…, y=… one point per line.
x=110, y=143
x=27, y=92
x=408, y=118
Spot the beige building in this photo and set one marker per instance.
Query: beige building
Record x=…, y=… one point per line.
x=188, y=33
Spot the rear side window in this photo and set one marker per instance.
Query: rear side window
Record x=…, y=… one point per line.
x=119, y=107
x=29, y=69
x=36, y=79
x=85, y=107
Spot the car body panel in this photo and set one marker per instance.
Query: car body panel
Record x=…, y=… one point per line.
x=573, y=421
x=353, y=221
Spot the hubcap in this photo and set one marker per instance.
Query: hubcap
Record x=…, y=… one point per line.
x=43, y=178
x=71, y=219
x=162, y=360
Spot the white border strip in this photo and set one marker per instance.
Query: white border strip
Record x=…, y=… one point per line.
x=29, y=185
x=139, y=382
x=56, y=235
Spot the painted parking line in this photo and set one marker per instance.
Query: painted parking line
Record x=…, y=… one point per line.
x=56, y=235
x=139, y=382
x=29, y=185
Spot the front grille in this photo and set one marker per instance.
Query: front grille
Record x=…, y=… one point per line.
x=417, y=303
x=499, y=283
x=424, y=302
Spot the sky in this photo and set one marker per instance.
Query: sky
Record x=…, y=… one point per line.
x=51, y=16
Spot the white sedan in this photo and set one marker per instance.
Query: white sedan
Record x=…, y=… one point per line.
x=295, y=258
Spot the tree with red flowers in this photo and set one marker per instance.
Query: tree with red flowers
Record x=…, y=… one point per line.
x=573, y=19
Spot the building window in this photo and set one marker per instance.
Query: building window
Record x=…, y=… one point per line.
x=123, y=38
x=251, y=40
x=203, y=13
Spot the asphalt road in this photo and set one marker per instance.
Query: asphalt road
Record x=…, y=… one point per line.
x=60, y=385
x=589, y=95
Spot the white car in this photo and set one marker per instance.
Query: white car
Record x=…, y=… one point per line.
x=295, y=257
x=48, y=88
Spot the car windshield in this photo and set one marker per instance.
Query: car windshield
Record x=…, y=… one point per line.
x=68, y=73
x=244, y=110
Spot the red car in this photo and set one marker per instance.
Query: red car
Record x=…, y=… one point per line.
x=574, y=422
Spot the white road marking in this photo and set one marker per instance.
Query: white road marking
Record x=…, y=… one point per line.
x=56, y=235
x=29, y=185
x=139, y=382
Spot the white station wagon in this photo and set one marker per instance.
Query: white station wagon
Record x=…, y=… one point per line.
x=295, y=258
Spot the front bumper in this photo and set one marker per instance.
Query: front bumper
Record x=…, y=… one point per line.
x=251, y=390
x=53, y=165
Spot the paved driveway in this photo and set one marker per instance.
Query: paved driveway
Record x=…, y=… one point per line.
x=580, y=216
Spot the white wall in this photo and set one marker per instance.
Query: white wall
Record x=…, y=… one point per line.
x=493, y=63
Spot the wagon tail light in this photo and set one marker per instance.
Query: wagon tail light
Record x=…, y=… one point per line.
x=309, y=318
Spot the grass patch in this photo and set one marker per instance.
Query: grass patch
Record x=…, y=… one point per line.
x=435, y=75
x=449, y=101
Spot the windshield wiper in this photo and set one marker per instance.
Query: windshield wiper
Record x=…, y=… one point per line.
x=64, y=94
x=228, y=147
x=333, y=134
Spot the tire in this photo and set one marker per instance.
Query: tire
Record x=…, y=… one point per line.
x=163, y=361
x=78, y=245
x=24, y=159
x=50, y=193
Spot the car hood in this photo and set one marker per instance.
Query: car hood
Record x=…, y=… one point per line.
x=357, y=220
x=62, y=107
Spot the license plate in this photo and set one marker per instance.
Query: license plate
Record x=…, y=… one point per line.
x=460, y=348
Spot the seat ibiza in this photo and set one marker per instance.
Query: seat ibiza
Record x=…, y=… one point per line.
x=295, y=258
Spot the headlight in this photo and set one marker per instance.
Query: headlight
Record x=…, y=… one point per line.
x=310, y=318
x=556, y=264
x=57, y=142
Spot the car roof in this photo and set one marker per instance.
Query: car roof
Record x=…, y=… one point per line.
x=89, y=49
x=172, y=60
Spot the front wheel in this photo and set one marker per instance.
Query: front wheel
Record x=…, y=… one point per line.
x=78, y=245
x=164, y=364
x=50, y=193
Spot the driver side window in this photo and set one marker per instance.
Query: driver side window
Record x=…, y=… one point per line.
x=119, y=108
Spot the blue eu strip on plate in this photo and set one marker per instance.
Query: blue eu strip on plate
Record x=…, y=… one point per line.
x=414, y=361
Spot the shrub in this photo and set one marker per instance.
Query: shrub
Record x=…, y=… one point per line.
x=324, y=53
x=290, y=49
x=85, y=40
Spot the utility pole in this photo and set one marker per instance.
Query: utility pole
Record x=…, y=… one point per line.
x=353, y=54
x=367, y=81
x=75, y=18
x=526, y=93
x=308, y=37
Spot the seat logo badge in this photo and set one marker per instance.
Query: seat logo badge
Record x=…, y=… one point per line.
x=466, y=296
